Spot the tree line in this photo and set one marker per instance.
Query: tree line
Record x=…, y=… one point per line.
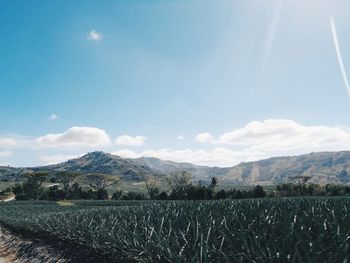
x=63, y=185
x=179, y=185
x=75, y=186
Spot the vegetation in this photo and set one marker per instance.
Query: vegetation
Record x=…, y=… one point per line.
x=152, y=185
x=99, y=183
x=32, y=188
x=264, y=229
x=260, y=230
x=311, y=190
x=180, y=187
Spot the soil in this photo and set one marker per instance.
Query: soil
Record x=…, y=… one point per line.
x=16, y=249
x=19, y=248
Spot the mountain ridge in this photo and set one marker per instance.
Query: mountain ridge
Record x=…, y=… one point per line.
x=321, y=167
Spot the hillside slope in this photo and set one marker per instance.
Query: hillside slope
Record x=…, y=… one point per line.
x=94, y=162
x=105, y=163
x=323, y=168
x=199, y=173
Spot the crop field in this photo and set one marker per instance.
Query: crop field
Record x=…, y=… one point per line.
x=266, y=230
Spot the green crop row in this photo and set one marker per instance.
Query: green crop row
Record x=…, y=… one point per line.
x=269, y=230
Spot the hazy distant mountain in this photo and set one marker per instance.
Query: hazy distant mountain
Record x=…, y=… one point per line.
x=199, y=173
x=325, y=167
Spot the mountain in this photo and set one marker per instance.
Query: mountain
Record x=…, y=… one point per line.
x=94, y=162
x=105, y=163
x=128, y=169
x=323, y=168
x=199, y=173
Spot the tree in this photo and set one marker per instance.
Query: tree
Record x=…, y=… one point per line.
x=75, y=191
x=299, y=183
x=31, y=189
x=179, y=182
x=239, y=195
x=54, y=193
x=163, y=196
x=102, y=194
x=300, y=179
x=333, y=190
x=102, y=181
x=198, y=192
x=17, y=190
x=258, y=192
x=68, y=180
x=117, y=195
x=152, y=185
x=134, y=196
x=222, y=194
x=214, y=183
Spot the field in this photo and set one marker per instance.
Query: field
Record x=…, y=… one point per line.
x=266, y=230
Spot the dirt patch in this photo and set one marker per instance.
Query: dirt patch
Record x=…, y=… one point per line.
x=5, y=255
x=32, y=248
x=65, y=203
x=16, y=249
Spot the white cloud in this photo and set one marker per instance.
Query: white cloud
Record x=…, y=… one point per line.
x=8, y=142
x=75, y=137
x=5, y=154
x=277, y=134
x=95, y=36
x=127, y=153
x=218, y=156
x=58, y=158
x=130, y=141
x=285, y=137
x=254, y=141
x=204, y=137
x=180, y=137
x=257, y=140
x=53, y=117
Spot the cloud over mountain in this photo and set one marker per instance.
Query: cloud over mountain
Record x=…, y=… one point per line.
x=256, y=140
x=75, y=137
x=219, y=156
x=274, y=134
x=128, y=140
x=58, y=158
x=274, y=137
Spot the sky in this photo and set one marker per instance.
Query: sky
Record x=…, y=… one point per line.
x=209, y=82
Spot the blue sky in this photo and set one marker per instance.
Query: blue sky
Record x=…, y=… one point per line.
x=209, y=82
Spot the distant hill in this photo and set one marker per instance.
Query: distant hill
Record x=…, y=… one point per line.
x=95, y=162
x=323, y=168
x=199, y=173
x=105, y=163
